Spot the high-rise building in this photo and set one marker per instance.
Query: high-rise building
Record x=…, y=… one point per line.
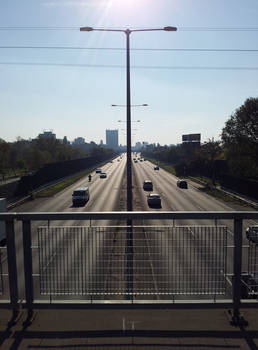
x=112, y=138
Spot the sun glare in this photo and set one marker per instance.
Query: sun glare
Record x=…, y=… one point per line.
x=126, y=7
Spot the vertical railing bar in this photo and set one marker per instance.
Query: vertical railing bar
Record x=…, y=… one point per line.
x=73, y=266
x=237, y=265
x=68, y=260
x=29, y=288
x=53, y=266
x=12, y=265
x=46, y=250
x=218, y=259
x=91, y=265
x=39, y=260
x=225, y=255
x=201, y=238
x=80, y=272
x=208, y=267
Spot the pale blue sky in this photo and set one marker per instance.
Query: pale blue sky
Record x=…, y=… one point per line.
x=75, y=100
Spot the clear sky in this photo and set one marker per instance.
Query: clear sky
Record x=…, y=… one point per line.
x=46, y=85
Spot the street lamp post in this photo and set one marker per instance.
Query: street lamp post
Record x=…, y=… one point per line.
x=129, y=270
x=128, y=97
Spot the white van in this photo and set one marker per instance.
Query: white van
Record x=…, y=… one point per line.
x=81, y=195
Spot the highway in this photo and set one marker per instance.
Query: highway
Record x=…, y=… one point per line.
x=92, y=267
x=191, y=199
x=105, y=195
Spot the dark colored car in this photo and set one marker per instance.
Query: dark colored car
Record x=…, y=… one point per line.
x=182, y=184
x=154, y=200
x=147, y=185
x=252, y=234
x=249, y=285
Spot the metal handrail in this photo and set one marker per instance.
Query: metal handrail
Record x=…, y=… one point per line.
x=136, y=215
x=26, y=218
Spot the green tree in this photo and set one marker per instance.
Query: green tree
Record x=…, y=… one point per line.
x=4, y=156
x=240, y=138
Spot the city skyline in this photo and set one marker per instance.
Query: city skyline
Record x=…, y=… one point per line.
x=54, y=76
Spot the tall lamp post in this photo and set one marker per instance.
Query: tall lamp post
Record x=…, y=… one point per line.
x=128, y=98
x=129, y=269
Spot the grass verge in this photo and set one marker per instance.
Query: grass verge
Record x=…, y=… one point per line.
x=221, y=195
x=205, y=182
x=52, y=190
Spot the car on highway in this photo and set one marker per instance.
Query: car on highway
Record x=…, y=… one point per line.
x=80, y=195
x=98, y=171
x=156, y=167
x=103, y=175
x=154, y=200
x=252, y=234
x=182, y=183
x=249, y=285
x=147, y=185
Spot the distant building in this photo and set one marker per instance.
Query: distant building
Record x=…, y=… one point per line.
x=138, y=146
x=101, y=142
x=47, y=135
x=145, y=144
x=79, y=141
x=112, y=138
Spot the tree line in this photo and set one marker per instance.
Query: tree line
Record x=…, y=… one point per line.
x=236, y=154
x=24, y=156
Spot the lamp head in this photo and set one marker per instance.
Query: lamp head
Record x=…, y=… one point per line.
x=170, y=29
x=86, y=29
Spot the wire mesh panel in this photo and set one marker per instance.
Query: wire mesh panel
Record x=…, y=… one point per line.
x=182, y=261
x=252, y=280
x=74, y=260
x=114, y=262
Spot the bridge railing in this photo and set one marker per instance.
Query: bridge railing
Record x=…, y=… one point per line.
x=22, y=258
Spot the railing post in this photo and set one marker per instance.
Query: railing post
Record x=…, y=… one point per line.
x=238, y=224
x=12, y=266
x=29, y=290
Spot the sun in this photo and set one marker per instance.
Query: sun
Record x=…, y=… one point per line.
x=126, y=13
x=125, y=6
